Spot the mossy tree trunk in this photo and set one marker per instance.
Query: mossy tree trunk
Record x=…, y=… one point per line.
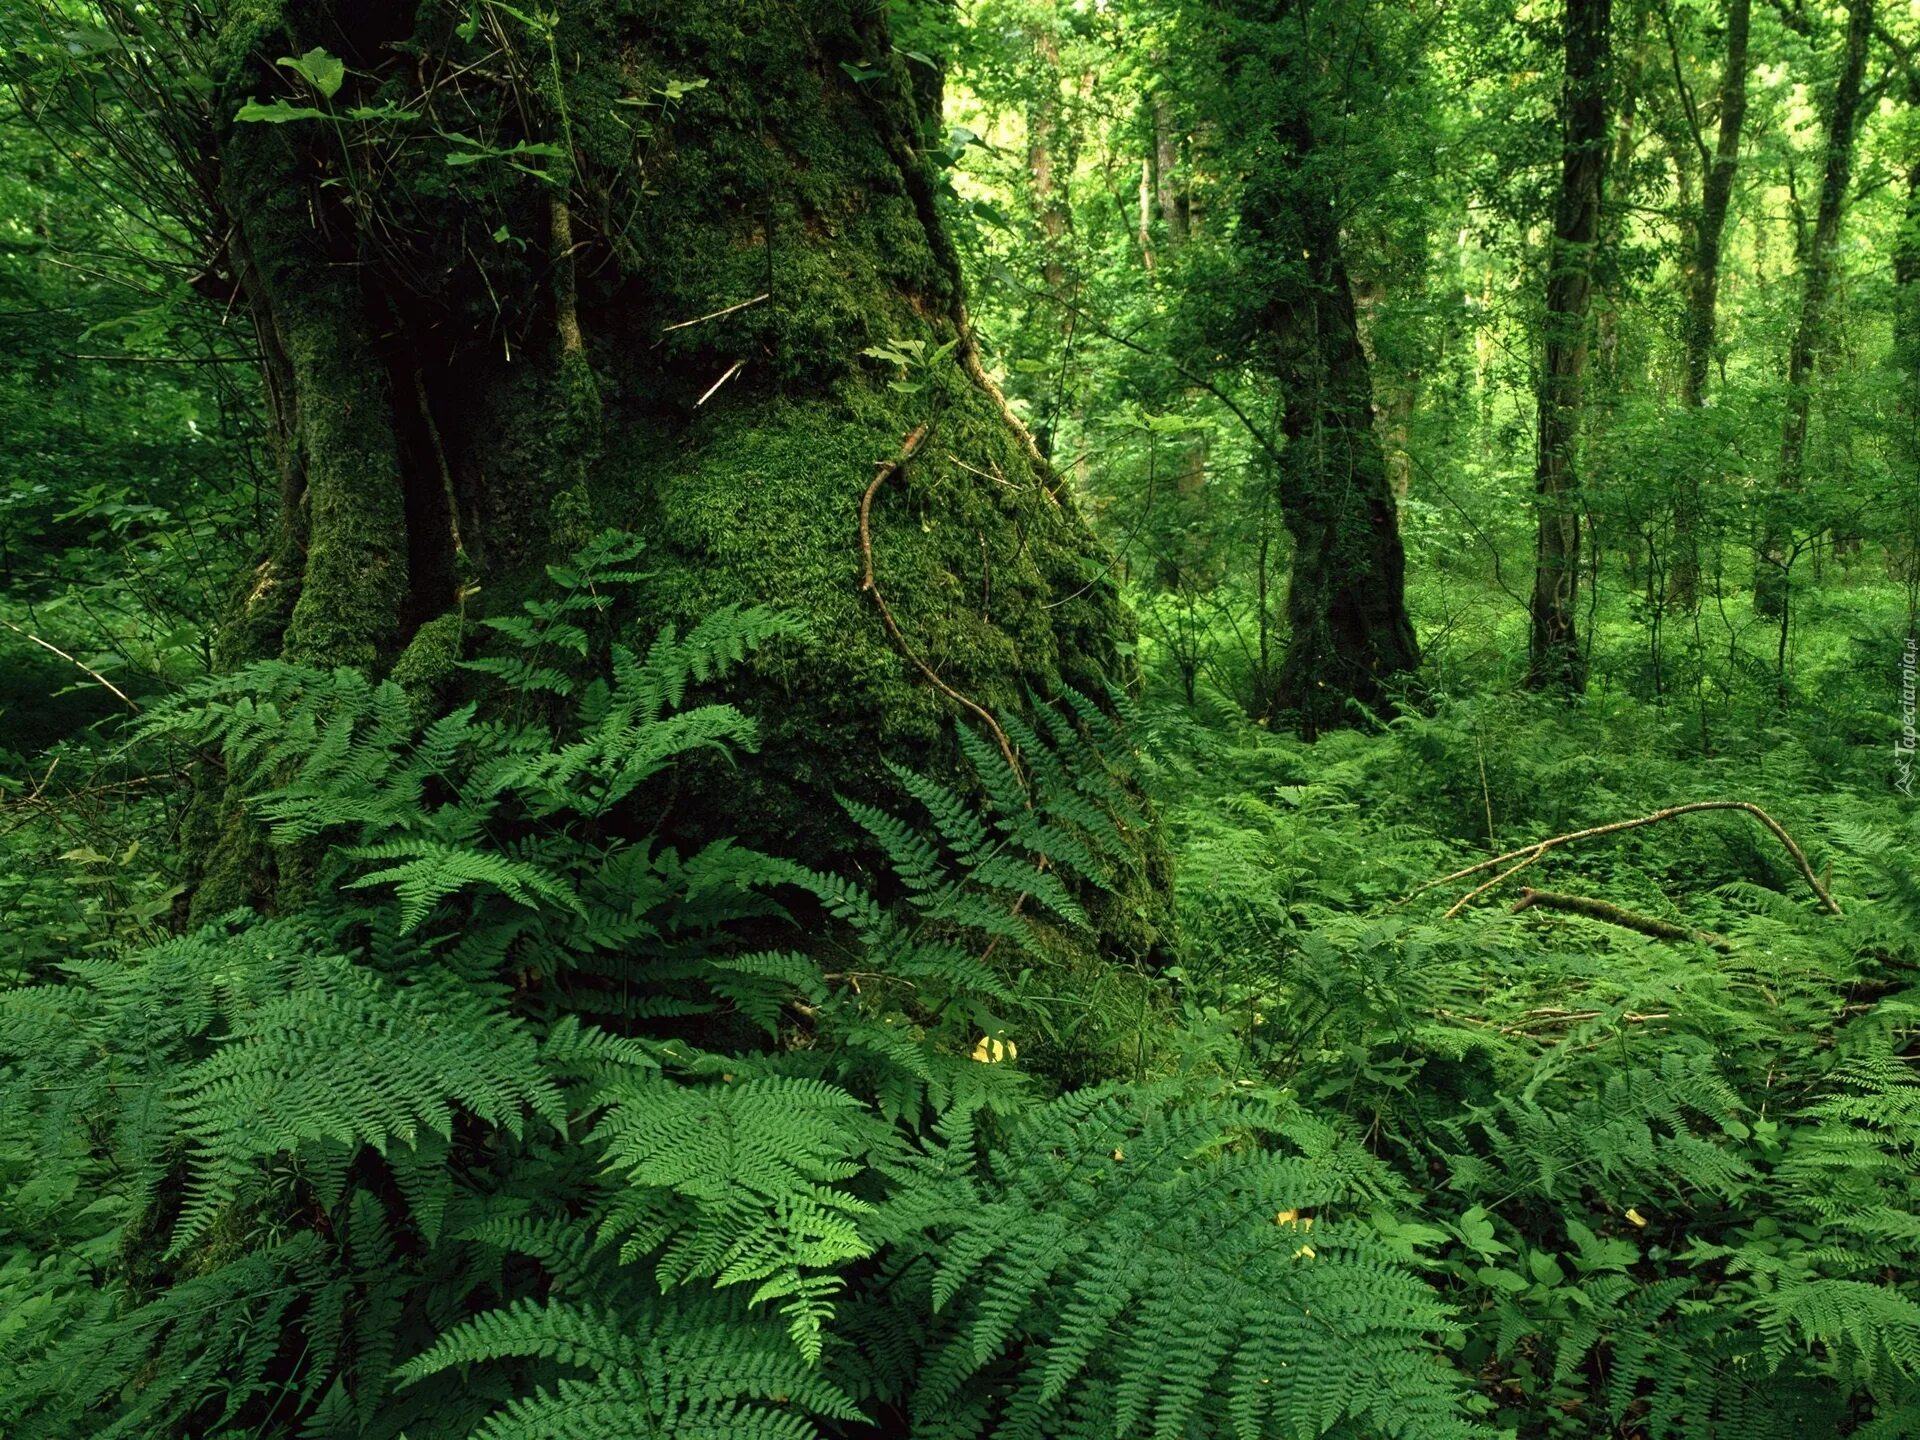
x=524, y=279
x=1555, y=660
x=1350, y=638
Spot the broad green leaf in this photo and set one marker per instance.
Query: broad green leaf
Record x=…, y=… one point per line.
x=326, y=73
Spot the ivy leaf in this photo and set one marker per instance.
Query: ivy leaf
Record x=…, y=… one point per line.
x=990, y=214
x=862, y=73
x=325, y=73
x=278, y=113
x=477, y=150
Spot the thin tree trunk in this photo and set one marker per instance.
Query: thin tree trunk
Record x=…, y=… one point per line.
x=1168, y=196
x=1905, y=548
x=1554, y=656
x=1049, y=200
x=1047, y=193
x=1703, y=287
x=1809, y=336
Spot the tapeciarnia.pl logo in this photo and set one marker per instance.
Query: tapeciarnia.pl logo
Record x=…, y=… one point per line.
x=1903, y=748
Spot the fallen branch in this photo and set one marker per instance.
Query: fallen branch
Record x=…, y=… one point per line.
x=1528, y=855
x=1547, y=1016
x=81, y=665
x=1550, y=1016
x=1609, y=913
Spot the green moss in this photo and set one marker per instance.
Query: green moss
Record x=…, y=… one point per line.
x=237, y=859
x=257, y=614
x=354, y=577
x=431, y=661
x=995, y=585
x=780, y=182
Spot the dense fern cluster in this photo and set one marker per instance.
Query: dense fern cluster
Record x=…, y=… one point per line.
x=1671, y=1188
x=518, y=1120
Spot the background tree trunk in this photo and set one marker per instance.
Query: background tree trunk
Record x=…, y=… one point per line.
x=1904, y=549
x=1350, y=637
x=1703, y=285
x=663, y=333
x=1555, y=660
x=1816, y=280
x=1170, y=198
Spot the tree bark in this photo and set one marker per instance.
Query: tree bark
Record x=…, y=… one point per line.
x=1049, y=199
x=665, y=334
x=1816, y=281
x=1903, y=548
x=1703, y=286
x=1350, y=638
x=1555, y=660
x=1169, y=198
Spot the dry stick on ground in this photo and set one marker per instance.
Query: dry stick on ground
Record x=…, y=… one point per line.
x=1611, y=914
x=77, y=664
x=1549, y=1015
x=1529, y=854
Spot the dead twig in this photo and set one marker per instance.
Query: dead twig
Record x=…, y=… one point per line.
x=713, y=314
x=80, y=665
x=735, y=370
x=1527, y=855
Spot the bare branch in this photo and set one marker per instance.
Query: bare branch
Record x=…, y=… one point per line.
x=1528, y=854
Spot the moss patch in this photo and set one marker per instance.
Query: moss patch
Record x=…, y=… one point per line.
x=751, y=219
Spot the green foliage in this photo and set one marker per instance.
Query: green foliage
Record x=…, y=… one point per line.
x=525, y=1122
x=526, y=1114
x=1670, y=1188
x=1129, y=1262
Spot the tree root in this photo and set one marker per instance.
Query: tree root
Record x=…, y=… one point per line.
x=885, y=471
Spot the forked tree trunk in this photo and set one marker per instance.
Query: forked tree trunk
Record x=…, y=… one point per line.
x=474, y=366
x=1349, y=635
x=1703, y=287
x=1770, y=577
x=1554, y=657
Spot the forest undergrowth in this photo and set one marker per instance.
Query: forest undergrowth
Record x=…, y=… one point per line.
x=418, y=1156
x=1036, y=719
